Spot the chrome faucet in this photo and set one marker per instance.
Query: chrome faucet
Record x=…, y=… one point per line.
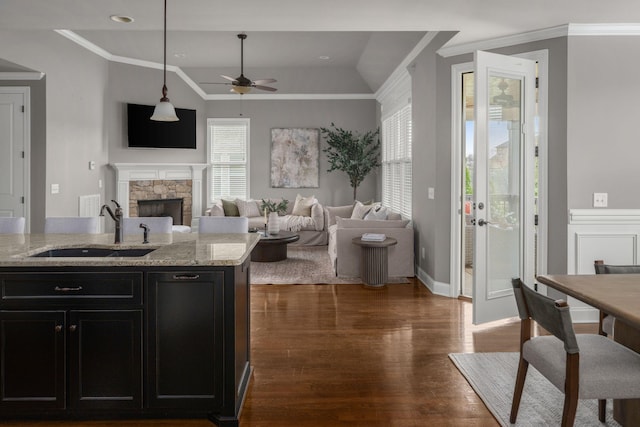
x=117, y=217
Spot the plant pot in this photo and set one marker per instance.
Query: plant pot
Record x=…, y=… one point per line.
x=273, y=225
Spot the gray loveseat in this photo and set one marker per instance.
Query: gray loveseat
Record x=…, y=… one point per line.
x=345, y=256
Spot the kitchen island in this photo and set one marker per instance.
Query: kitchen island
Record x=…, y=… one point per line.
x=96, y=330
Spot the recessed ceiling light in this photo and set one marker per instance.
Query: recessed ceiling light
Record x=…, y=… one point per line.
x=123, y=19
x=324, y=57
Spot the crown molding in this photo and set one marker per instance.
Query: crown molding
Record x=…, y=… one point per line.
x=290, y=96
x=604, y=29
x=401, y=73
x=574, y=30
x=21, y=75
x=197, y=89
x=515, y=39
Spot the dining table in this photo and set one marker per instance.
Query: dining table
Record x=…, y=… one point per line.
x=617, y=295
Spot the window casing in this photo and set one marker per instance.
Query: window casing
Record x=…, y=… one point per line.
x=396, y=161
x=228, y=155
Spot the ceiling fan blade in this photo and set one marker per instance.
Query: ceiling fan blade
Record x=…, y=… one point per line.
x=264, y=81
x=228, y=78
x=267, y=88
x=213, y=83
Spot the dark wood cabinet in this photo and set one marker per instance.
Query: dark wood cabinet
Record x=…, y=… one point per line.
x=32, y=360
x=105, y=359
x=185, y=327
x=130, y=342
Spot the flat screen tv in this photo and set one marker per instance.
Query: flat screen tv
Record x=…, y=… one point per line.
x=146, y=133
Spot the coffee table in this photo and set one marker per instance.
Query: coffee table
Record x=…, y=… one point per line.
x=273, y=247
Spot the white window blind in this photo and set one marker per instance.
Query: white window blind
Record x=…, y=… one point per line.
x=228, y=158
x=396, y=161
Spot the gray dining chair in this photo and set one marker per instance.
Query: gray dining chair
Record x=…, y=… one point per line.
x=607, y=323
x=157, y=225
x=72, y=225
x=223, y=224
x=584, y=366
x=12, y=225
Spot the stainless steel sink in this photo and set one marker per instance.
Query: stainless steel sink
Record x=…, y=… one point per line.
x=94, y=252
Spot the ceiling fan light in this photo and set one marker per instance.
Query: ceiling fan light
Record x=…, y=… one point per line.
x=241, y=89
x=164, y=112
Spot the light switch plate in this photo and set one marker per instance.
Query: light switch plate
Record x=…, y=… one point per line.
x=55, y=188
x=432, y=193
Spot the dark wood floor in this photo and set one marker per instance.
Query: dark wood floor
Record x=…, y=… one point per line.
x=346, y=355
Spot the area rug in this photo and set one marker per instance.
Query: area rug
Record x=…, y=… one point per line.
x=303, y=266
x=493, y=376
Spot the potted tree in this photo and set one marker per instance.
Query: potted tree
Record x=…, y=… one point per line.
x=353, y=153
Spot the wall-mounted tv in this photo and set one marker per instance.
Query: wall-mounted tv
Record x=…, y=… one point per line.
x=146, y=133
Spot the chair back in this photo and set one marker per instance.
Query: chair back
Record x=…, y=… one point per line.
x=552, y=315
x=12, y=225
x=223, y=224
x=157, y=225
x=72, y=225
x=602, y=268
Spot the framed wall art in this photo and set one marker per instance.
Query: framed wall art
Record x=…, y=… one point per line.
x=295, y=157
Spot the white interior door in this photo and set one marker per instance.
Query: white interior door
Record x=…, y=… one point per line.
x=13, y=182
x=503, y=207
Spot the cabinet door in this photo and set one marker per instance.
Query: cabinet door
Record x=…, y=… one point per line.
x=184, y=327
x=32, y=360
x=105, y=352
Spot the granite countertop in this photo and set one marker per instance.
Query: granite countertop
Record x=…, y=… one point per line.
x=176, y=249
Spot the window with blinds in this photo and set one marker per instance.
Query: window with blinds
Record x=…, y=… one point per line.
x=228, y=158
x=396, y=161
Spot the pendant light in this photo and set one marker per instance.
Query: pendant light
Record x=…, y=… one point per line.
x=164, y=111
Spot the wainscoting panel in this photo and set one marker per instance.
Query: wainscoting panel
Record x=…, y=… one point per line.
x=612, y=235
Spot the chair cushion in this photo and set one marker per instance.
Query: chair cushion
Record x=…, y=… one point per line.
x=607, y=369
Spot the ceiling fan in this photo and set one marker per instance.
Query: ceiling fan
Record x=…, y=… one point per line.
x=242, y=84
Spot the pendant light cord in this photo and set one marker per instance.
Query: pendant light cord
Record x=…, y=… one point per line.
x=164, y=83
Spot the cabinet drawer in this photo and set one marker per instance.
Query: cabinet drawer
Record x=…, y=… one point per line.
x=86, y=287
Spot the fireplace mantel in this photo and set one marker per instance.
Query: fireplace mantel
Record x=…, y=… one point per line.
x=126, y=172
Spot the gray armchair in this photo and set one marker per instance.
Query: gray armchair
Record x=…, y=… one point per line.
x=585, y=366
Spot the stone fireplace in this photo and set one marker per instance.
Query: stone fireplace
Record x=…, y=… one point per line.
x=161, y=198
x=160, y=181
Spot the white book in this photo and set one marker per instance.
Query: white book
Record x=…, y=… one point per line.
x=373, y=237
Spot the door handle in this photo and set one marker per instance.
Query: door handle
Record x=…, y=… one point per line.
x=482, y=222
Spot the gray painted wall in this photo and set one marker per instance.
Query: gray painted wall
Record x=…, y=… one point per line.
x=334, y=188
x=602, y=121
x=76, y=84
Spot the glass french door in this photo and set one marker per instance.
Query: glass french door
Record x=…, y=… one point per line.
x=503, y=196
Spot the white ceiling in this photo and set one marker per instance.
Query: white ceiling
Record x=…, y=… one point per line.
x=293, y=34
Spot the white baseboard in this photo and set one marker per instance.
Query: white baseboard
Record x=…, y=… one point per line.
x=437, y=288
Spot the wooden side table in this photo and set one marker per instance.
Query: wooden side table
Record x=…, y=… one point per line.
x=374, y=261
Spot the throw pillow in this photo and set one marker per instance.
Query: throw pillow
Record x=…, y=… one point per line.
x=371, y=224
x=248, y=208
x=360, y=210
x=216, y=210
x=378, y=212
x=302, y=206
x=230, y=208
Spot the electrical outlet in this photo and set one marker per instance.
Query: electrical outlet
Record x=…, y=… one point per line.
x=55, y=188
x=600, y=200
x=422, y=253
x=431, y=193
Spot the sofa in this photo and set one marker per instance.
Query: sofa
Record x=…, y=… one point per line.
x=343, y=225
x=305, y=216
